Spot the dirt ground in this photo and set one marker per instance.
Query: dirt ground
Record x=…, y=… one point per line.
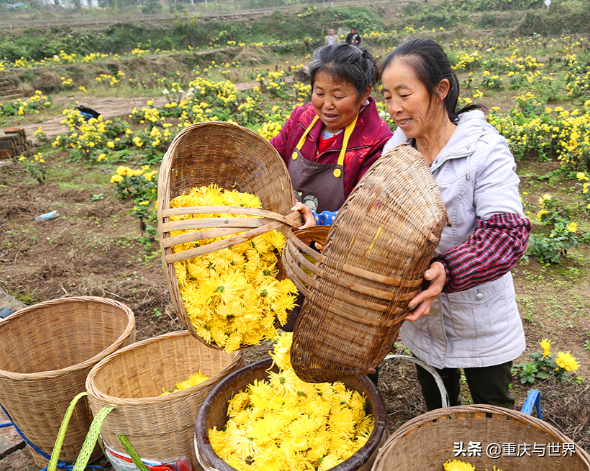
x=95, y=247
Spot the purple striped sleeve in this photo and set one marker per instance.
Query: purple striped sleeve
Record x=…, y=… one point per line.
x=493, y=249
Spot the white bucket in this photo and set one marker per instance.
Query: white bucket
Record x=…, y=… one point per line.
x=123, y=462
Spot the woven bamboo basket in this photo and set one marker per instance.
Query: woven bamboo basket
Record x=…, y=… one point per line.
x=373, y=263
x=46, y=353
x=132, y=379
x=428, y=441
x=214, y=413
x=232, y=157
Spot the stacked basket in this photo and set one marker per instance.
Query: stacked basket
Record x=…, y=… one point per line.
x=46, y=353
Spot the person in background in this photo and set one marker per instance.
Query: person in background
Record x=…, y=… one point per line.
x=331, y=38
x=330, y=143
x=353, y=37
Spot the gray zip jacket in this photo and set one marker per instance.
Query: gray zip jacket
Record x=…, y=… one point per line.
x=475, y=173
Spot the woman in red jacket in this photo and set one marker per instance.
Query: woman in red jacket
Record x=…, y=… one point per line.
x=330, y=143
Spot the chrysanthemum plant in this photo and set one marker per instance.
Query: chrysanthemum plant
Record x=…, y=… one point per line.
x=546, y=364
x=554, y=247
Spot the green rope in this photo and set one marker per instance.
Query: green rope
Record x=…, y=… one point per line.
x=91, y=438
x=132, y=453
x=61, y=434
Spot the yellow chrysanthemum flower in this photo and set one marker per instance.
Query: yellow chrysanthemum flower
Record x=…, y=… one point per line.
x=546, y=346
x=545, y=197
x=567, y=361
x=285, y=424
x=457, y=465
x=193, y=380
x=231, y=296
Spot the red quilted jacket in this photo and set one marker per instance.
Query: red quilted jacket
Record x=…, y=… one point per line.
x=364, y=147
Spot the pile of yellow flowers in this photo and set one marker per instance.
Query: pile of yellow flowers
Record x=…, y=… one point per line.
x=232, y=296
x=192, y=380
x=284, y=424
x=457, y=465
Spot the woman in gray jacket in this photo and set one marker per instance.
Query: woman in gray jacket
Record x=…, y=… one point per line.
x=468, y=317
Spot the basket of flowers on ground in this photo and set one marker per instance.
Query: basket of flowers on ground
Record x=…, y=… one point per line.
x=477, y=438
x=275, y=421
x=224, y=199
x=157, y=387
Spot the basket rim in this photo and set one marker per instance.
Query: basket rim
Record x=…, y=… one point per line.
x=363, y=453
x=423, y=419
x=142, y=401
x=84, y=364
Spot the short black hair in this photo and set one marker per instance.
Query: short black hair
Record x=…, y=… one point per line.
x=345, y=62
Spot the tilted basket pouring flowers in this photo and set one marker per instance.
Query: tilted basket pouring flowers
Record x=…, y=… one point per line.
x=234, y=159
x=373, y=264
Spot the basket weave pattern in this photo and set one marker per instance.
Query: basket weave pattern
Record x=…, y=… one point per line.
x=373, y=264
x=427, y=441
x=214, y=413
x=46, y=353
x=231, y=157
x=158, y=427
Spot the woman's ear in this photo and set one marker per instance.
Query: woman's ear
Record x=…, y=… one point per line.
x=442, y=90
x=366, y=94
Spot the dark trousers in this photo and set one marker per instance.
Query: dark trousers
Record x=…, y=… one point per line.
x=488, y=385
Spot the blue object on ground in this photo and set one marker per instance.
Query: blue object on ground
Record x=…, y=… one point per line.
x=532, y=400
x=5, y=312
x=46, y=216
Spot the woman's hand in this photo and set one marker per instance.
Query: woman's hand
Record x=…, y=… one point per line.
x=308, y=219
x=436, y=275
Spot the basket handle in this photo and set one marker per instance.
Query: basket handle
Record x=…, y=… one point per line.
x=291, y=219
x=532, y=400
x=132, y=453
x=89, y=441
x=224, y=244
x=439, y=382
x=318, y=234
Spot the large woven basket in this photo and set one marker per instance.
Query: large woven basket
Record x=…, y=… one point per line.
x=46, y=353
x=231, y=157
x=214, y=413
x=428, y=441
x=373, y=263
x=132, y=379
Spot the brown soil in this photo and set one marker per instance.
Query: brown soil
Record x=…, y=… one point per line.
x=97, y=248
x=91, y=249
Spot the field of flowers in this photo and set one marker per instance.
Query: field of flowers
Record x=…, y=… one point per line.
x=537, y=90
x=527, y=77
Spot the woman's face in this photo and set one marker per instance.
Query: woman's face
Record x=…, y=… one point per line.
x=408, y=102
x=336, y=103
